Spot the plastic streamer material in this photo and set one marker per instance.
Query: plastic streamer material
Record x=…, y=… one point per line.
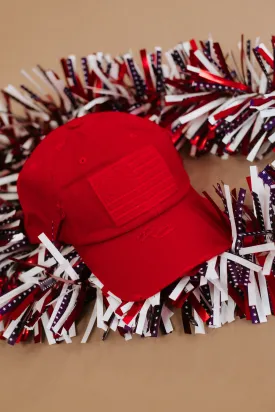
x=210, y=101
x=210, y=104
x=44, y=288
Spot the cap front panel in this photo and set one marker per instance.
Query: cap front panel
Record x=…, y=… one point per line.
x=116, y=176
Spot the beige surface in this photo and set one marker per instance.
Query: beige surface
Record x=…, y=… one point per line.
x=231, y=369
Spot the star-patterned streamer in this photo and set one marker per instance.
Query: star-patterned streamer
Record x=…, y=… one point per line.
x=43, y=289
x=210, y=101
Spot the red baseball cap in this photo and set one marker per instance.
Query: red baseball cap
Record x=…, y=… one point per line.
x=113, y=186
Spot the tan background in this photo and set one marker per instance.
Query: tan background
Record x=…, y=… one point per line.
x=231, y=369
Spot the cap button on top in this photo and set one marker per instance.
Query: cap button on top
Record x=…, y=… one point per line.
x=75, y=123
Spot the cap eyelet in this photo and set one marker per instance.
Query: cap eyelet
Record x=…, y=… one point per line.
x=82, y=160
x=59, y=146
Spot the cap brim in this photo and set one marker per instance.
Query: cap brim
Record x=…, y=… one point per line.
x=142, y=262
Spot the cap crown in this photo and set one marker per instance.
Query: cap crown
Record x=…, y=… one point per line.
x=101, y=175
